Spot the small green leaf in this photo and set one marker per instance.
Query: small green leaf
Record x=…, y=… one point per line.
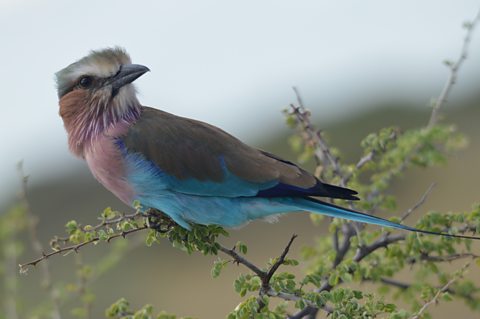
x=242, y=248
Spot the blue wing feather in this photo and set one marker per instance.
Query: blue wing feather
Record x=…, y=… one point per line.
x=230, y=186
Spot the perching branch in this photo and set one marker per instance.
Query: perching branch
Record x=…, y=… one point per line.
x=75, y=248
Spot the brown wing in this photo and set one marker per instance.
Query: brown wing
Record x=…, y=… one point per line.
x=189, y=149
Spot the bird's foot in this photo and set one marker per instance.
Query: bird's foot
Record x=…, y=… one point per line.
x=159, y=221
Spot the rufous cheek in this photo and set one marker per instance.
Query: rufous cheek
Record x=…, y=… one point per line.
x=72, y=105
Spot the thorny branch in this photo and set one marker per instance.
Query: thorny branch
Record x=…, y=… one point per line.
x=75, y=248
x=57, y=248
x=278, y=262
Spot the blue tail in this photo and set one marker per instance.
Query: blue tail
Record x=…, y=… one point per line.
x=320, y=207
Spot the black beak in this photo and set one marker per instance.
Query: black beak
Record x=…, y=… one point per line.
x=127, y=74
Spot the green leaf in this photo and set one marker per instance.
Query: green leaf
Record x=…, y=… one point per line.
x=242, y=248
x=218, y=265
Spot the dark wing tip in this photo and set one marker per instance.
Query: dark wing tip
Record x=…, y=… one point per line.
x=340, y=192
x=318, y=190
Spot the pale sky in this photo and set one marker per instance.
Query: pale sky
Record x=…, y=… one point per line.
x=230, y=63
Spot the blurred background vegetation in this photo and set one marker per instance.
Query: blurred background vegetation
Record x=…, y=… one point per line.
x=170, y=279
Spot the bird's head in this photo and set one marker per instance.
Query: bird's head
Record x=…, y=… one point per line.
x=95, y=93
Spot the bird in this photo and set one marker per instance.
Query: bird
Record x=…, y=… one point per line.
x=192, y=171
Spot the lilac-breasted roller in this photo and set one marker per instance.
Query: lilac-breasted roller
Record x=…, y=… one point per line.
x=192, y=171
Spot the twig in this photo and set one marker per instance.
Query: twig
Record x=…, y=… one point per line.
x=37, y=245
x=446, y=258
x=440, y=292
x=348, y=232
x=365, y=159
x=422, y=200
x=292, y=297
x=362, y=252
x=266, y=276
x=405, y=285
x=322, y=150
x=113, y=221
x=383, y=242
x=278, y=262
x=242, y=260
x=24, y=267
x=368, y=158
x=451, y=80
x=394, y=283
x=454, y=67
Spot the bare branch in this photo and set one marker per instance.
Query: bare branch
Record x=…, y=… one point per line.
x=365, y=159
x=242, y=260
x=383, y=242
x=348, y=232
x=308, y=312
x=454, y=68
x=363, y=251
x=266, y=276
x=322, y=150
x=278, y=262
x=395, y=283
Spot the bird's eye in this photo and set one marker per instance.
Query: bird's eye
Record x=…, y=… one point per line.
x=85, y=82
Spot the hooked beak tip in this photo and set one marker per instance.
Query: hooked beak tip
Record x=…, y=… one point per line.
x=127, y=74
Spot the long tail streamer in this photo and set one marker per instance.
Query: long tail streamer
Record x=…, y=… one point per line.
x=320, y=207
